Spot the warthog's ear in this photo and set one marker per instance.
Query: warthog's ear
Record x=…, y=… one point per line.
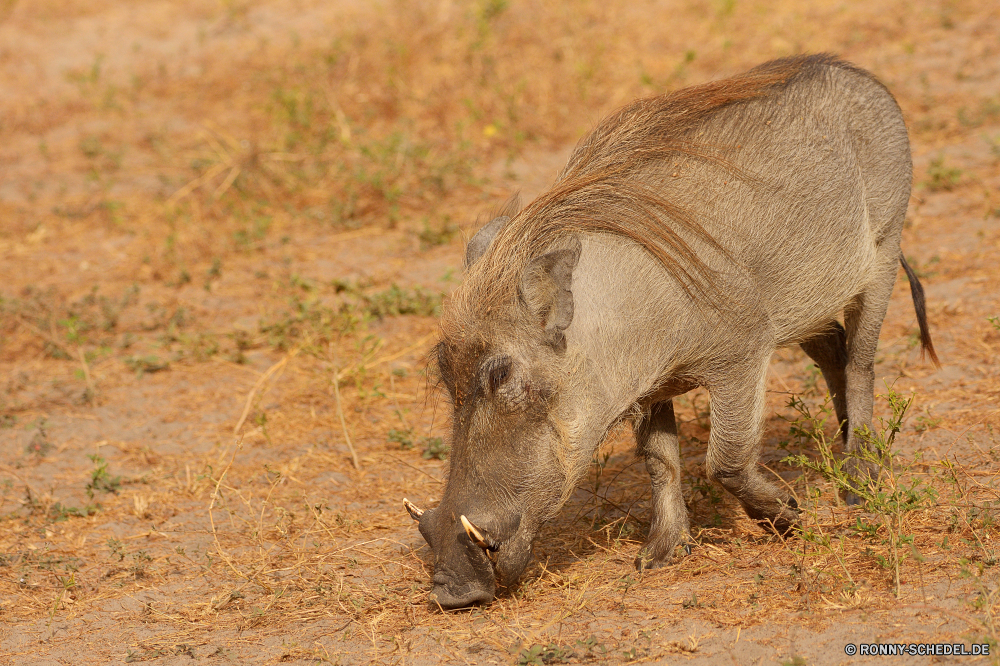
x=477, y=246
x=545, y=290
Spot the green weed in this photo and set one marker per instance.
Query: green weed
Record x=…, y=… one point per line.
x=58, y=512
x=100, y=479
x=144, y=364
x=553, y=653
x=431, y=447
x=434, y=447
x=942, y=177
x=441, y=236
x=395, y=301
x=39, y=444
x=926, y=422
x=887, y=497
x=922, y=270
x=989, y=109
x=310, y=322
x=706, y=490
x=61, y=325
x=402, y=437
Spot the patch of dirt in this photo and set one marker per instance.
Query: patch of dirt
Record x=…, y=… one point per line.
x=227, y=233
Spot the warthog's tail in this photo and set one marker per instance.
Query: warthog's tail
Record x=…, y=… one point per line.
x=917, y=291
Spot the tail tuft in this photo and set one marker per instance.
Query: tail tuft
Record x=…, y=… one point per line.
x=917, y=291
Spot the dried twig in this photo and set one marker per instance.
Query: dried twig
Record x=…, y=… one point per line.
x=343, y=423
x=256, y=387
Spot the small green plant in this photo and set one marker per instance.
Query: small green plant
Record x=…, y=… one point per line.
x=985, y=600
x=692, y=602
x=708, y=491
x=58, y=512
x=995, y=321
x=39, y=445
x=434, y=447
x=431, y=447
x=811, y=381
x=926, y=422
x=887, y=496
x=587, y=649
x=600, y=461
x=923, y=270
x=310, y=322
x=396, y=301
x=91, y=146
x=144, y=364
x=261, y=420
x=140, y=562
x=100, y=478
x=440, y=236
x=942, y=177
x=543, y=654
x=117, y=549
x=402, y=437
x=253, y=233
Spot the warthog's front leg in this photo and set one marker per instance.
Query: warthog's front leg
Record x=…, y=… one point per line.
x=656, y=439
x=734, y=446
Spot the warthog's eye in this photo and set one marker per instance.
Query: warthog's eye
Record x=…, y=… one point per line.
x=498, y=372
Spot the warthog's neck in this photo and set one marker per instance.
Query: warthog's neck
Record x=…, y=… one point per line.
x=624, y=343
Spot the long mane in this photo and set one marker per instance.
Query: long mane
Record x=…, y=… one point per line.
x=600, y=190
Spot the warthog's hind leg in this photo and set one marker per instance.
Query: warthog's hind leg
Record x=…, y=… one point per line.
x=863, y=319
x=656, y=439
x=829, y=351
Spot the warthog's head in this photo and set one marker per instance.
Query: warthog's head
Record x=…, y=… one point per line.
x=503, y=372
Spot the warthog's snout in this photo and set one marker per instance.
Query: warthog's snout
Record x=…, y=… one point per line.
x=463, y=572
x=469, y=559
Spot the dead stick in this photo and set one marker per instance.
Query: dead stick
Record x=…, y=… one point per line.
x=256, y=387
x=343, y=423
x=215, y=534
x=86, y=373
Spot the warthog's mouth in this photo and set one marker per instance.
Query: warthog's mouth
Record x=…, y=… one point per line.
x=449, y=595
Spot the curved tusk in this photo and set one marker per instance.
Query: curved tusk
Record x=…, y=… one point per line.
x=412, y=509
x=475, y=535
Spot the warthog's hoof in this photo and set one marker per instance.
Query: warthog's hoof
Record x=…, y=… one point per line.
x=647, y=560
x=861, y=475
x=785, y=522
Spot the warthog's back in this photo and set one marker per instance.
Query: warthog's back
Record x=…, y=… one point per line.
x=800, y=185
x=775, y=187
x=817, y=176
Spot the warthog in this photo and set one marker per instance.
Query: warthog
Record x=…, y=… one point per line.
x=689, y=236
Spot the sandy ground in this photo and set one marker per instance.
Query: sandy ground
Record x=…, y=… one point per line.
x=181, y=391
